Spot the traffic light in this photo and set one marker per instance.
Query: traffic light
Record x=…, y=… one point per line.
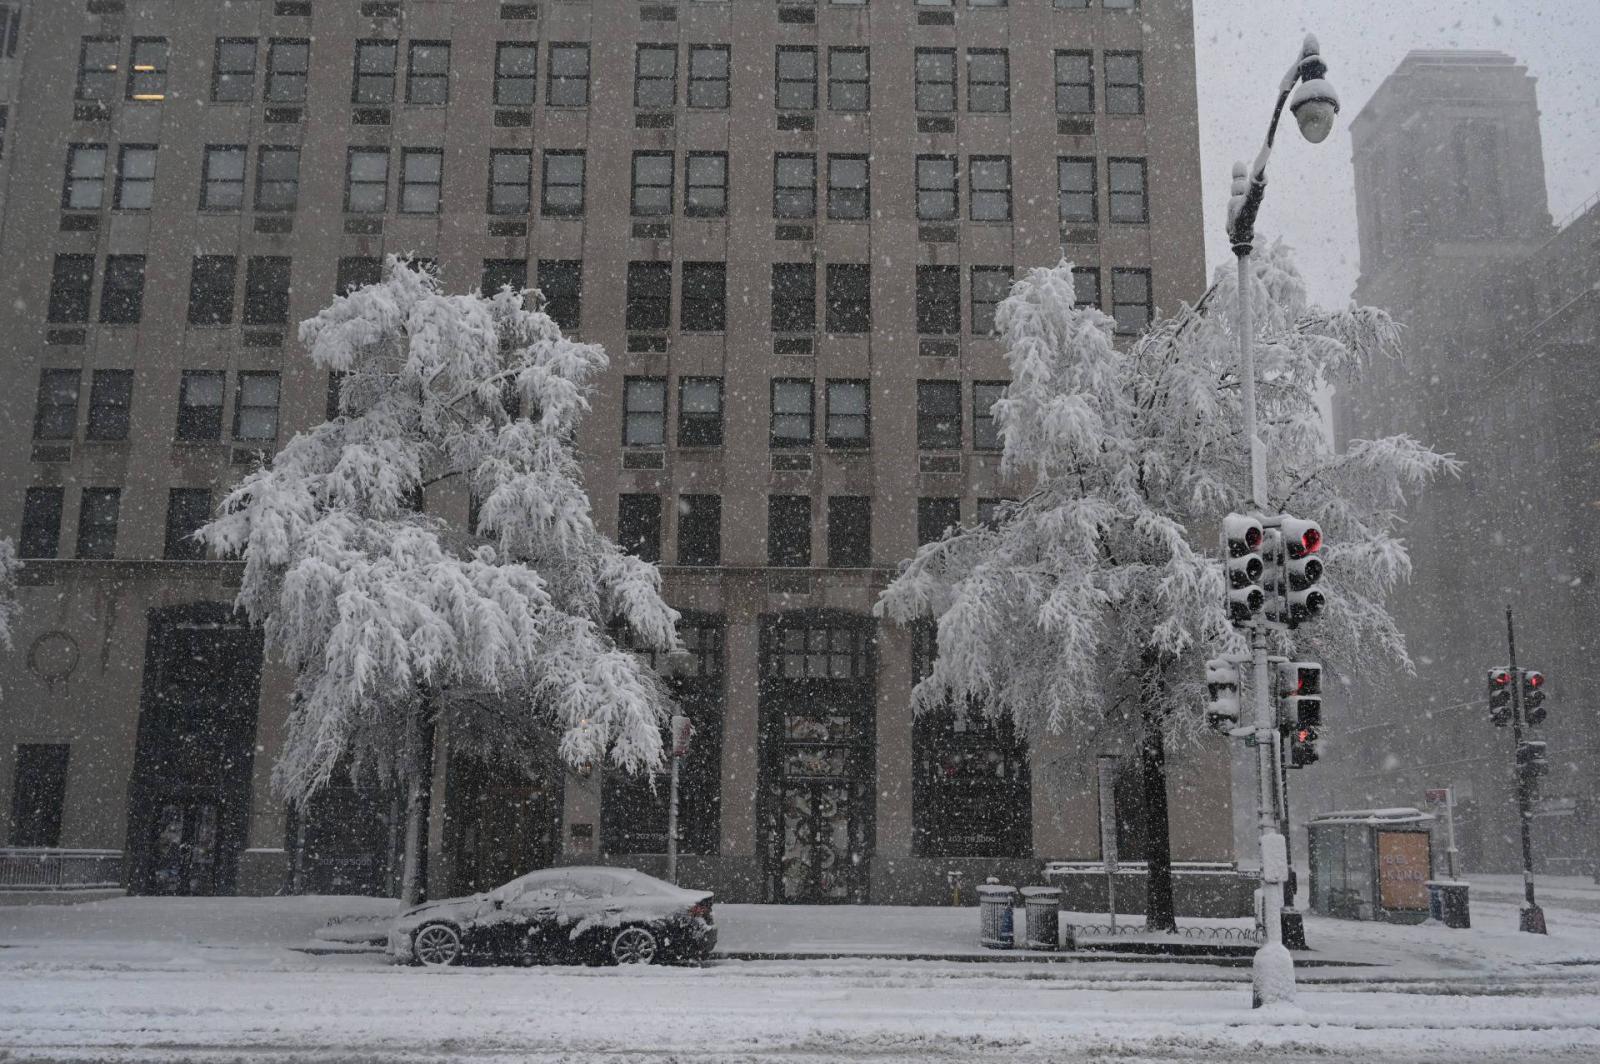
x=1222, y=694
x=1533, y=711
x=1531, y=759
x=1302, y=546
x=1500, y=697
x=1303, y=747
x=1241, y=551
x=1300, y=694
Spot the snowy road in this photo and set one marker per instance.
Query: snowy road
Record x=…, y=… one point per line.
x=355, y=1009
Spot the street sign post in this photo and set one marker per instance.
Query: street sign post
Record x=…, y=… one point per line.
x=1444, y=798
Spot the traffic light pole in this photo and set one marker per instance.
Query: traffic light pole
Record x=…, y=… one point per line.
x=1532, y=916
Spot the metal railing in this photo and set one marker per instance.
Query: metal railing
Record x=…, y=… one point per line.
x=1197, y=932
x=31, y=868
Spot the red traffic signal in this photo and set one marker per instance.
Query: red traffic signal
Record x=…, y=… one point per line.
x=1499, y=681
x=1301, y=538
x=1533, y=711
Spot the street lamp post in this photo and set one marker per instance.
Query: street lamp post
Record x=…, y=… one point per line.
x=1314, y=105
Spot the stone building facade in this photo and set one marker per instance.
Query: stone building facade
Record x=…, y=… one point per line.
x=788, y=223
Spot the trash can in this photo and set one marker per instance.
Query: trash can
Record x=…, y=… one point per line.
x=1043, y=906
x=1447, y=903
x=995, y=918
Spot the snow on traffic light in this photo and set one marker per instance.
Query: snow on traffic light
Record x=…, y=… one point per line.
x=1222, y=694
x=1242, y=537
x=1499, y=681
x=1303, y=568
x=1533, y=711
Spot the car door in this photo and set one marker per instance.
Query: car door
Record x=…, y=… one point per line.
x=591, y=906
x=531, y=918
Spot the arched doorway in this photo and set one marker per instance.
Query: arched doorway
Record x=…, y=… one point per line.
x=817, y=721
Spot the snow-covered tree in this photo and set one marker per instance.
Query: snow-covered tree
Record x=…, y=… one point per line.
x=393, y=617
x=1092, y=603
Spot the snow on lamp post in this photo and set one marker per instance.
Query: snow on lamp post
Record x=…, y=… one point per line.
x=1314, y=106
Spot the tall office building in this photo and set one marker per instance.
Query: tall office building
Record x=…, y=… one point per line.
x=1502, y=325
x=788, y=223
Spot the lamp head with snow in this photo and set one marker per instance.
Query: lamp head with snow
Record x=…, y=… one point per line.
x=1315, y=103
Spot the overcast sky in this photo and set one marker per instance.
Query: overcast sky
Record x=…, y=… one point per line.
x=1245, y=46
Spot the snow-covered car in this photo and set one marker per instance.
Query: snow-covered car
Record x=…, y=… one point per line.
x=574, y=914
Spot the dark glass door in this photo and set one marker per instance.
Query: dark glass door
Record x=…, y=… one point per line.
x=183, y=852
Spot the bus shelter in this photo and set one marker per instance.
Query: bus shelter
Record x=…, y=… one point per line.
x=1371, y=864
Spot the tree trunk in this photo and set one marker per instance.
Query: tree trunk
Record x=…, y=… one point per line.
x=1158, y=835
x=419, y=778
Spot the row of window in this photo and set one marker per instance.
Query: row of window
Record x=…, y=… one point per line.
x=213, y=283
x=99, y=511
x=798, y=79
x=789, y=527
x=200, y=401
x=419, y=183
x=846, y=418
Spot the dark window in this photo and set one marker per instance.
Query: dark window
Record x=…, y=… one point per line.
x=644, y=412
x=936, y=79
x=1075, y=190
x=796, y=79
x=561, y=284
x=366, y=186
x=937, y=197
x=989, y=185
x=222, y=185
x=39, y=794
x=988, y=80
x=938, y=300
x=639, y=526
x=516, y=73
x=233, y=77
x=122, y=290
x=705, y=297
x=1124, y=83
x=849, y=306
x=335, y=393
x=200, y=405
x=794, y=297
x=848, y=192
x=98, y=66
x=652, y=183
x=41, y=523
x=794, y=186
x=97, y=522
x=187, y=510
x=985, y=432
x=849, y=79
x=147, y=69
x=110, y=401
x=288, y=62
x=655, y=76
x=708, y=75
x=1120, y=5
x=277, y=178
x=939, y=415
x=1075, y=82
x=71, y=278
x=848, y=421
x=136, y=176
x=1130, y=300
x=649, y=305
x=421, y=180
x=255, y=407
x=85, y=186
x=266, y=290
x=1125, y=185
x=699, y=530
x=511, y=181
x=569, y=76
x=357, y=271
x=428, y=72
x=934, y=515
x=499, y=273
x=375, y=63
x=990, y=285
x=705, y=184
x=849, y=531
x=562, y=194
x=789, y=531
x=211, y=289
x=55, y=416
x=1086, y=286
x=791, y=413
x=700, y=412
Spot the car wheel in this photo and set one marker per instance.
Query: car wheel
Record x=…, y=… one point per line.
x=437, y=946
x=634, y=945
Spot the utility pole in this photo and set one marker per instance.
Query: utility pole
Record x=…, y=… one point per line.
x=1532, y=919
